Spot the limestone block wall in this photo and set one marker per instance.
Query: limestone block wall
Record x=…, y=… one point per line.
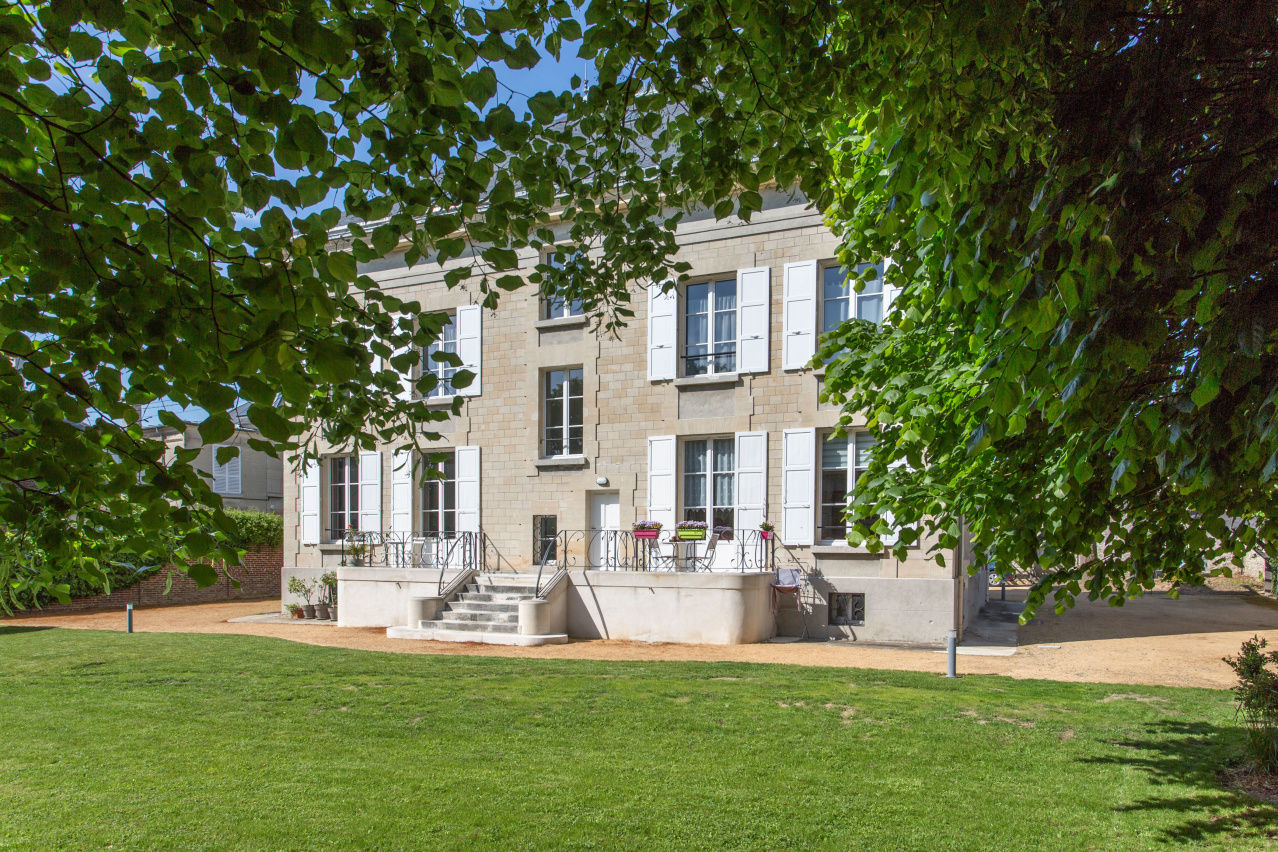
x=623, y=408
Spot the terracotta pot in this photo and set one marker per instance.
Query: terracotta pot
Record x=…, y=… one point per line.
x=297, y=613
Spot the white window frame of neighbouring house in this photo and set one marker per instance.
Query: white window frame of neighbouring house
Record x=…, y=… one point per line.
x=563, y=412
x=443, y=370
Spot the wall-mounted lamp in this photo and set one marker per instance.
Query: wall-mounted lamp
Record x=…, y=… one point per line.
x=601, y=481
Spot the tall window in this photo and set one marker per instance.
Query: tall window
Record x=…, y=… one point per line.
x=555, y=306
x=443, y=370
x=709, y=481
x=563, y=414
x=226, y=477
x=343, y=496
x=439, y=498
x=545, y=539
x=843, y=460
x=710, y=328
x=840, y=301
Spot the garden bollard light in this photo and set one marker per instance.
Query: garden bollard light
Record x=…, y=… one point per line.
x=951, y=653
x=128, y=618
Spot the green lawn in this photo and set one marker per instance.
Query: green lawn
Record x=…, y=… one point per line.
x=232, y=742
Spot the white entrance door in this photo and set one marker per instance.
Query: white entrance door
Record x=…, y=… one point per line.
x=605, y=519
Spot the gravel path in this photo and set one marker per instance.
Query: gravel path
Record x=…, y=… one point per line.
x=1152, y=640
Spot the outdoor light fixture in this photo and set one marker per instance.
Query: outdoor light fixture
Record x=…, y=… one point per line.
x=602, y=480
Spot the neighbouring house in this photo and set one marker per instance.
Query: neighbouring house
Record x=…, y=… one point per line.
x=252, y=480
x=703, y=409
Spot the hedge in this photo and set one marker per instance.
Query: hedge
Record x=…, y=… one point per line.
x=256, y=529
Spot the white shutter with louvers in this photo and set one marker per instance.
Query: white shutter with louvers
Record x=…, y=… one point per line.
x=467, y=466
x=309, y=498
x=663, y=332
x=798, y=345
x=662, y=496
x=470, y=345
x=401, y=511
x=753, y=312
x=894, y=536
x=798, y=486
x=370, y=492
x=752, y=479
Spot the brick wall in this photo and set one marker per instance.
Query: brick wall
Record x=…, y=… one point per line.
x=259, y=579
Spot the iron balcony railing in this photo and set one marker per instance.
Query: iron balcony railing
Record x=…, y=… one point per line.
x=382, y=549
x=622, y=550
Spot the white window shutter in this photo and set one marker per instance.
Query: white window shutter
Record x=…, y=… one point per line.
x=466, y=463
x=309, y=498
x=662, y=452
x=894, y=535
x=401, y=512
x=754, y=304
x=219, y=472
x=752, y=479
x=798, y=344
x=798, y=485
x=663, y=333
x=232, y=473
x=370, y=492
x=470, y=336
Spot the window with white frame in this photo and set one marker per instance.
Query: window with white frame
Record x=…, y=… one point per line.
x=843, y=460
x=226, y=477
x=563, y=415
x=709, y=481
x=343, y=496
x=710, y=328
x=443, y=369
x=439, y=497
x=556, y=306
x=840, y=301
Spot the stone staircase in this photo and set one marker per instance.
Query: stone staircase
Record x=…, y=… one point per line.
x=486, y=610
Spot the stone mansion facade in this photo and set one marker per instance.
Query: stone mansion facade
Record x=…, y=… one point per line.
x=702, y=408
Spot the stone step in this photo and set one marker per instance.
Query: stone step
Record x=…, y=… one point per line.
x=503, y=589
x=484, y=605
x=490, y=597
x=482, y=616
x=469, y=626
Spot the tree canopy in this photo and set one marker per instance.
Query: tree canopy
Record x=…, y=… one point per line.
x=1078, y=199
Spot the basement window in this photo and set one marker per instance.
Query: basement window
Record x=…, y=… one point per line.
x=847, y=609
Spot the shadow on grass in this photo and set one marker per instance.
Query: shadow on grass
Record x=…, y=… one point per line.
x=6, y=630
x=1189, y=754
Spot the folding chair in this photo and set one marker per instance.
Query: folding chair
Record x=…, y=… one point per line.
x=789, y=581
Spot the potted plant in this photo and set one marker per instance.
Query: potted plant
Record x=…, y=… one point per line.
x=766, y=530
x=691, y=530
x=329, y=581
x=305, y=589
x=357, y=548
x=647, y=529
x=294, y=610
x=321, y=610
